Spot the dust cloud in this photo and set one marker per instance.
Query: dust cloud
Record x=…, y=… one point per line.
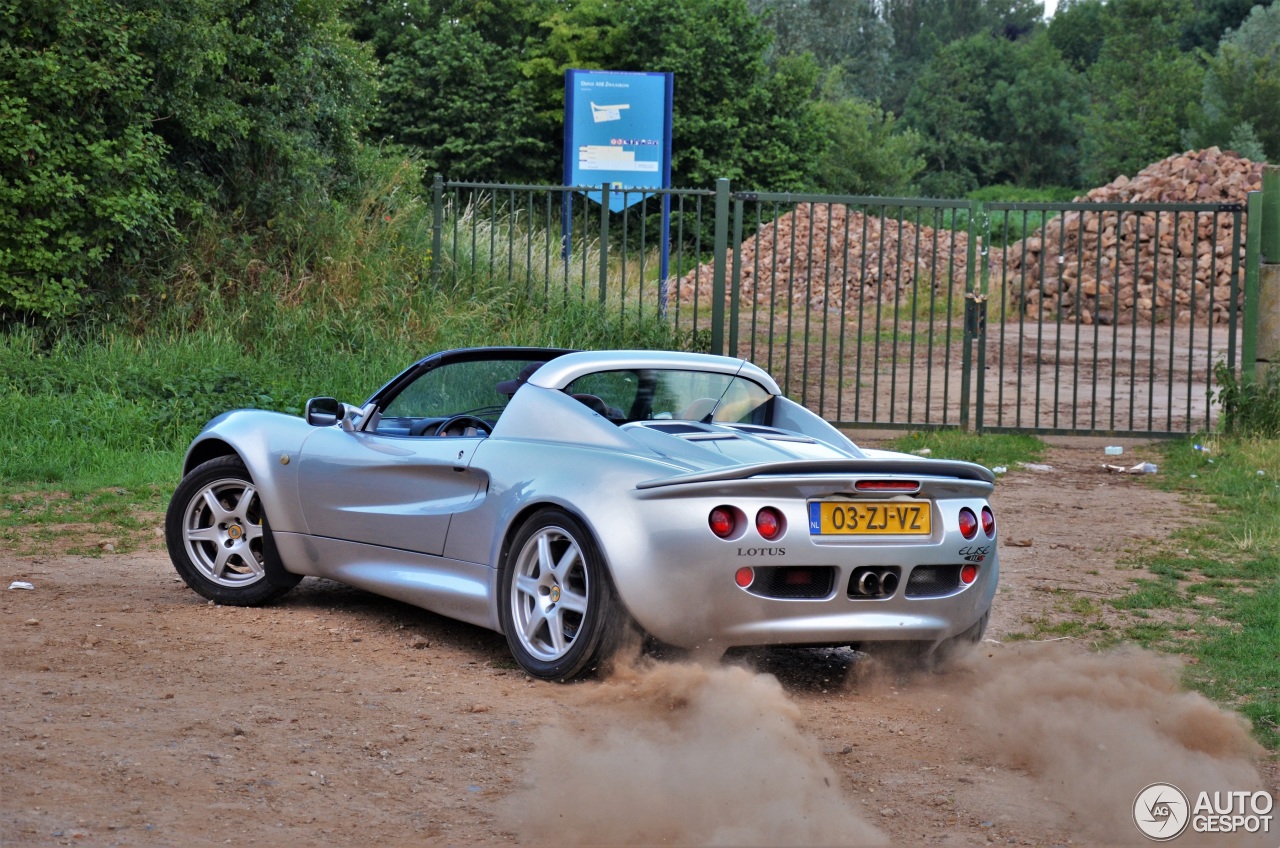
x=1093, y=729
x=679, y=754
x=683, y=754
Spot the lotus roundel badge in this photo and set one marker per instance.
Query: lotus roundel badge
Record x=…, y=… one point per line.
x=234, y=531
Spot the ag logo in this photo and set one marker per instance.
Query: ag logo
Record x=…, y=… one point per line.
x=1161, y=811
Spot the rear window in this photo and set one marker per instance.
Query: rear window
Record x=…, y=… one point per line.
x=651, y=394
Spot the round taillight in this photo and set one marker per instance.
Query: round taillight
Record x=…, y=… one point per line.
x=968, y=573
x=745, y=577
x=968, y=523
x=769, y=523
x=721, y=521
x=988, y=522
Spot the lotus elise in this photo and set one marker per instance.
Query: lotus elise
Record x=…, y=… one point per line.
x=568, y=498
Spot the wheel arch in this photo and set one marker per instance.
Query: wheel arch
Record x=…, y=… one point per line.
x=203, y=451
x=262, y=475
x=268, y=444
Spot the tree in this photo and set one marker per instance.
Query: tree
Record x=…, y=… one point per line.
x=454, y=85
x=80, y=176
x=1077, y=31
x=847, y=35
x=1240, y=98
x=993, y=110
x=922, y=27
x=456, y=97
x=1212, y=19
x=261, y=102
x=866, y=152
x=1034, y=113
x=125, y=120
x=479, y=88
x=1143, y=89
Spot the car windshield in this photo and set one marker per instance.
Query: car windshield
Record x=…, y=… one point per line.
x=658, y=394
x=458, y=388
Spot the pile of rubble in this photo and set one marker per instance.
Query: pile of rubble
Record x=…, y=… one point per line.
x=825, y=253
x=1121, y=266
x=1104, y=265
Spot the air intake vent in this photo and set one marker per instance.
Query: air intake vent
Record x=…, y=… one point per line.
x=770, y=433
x=676, y=428
x=933, y=581
x=793, y=582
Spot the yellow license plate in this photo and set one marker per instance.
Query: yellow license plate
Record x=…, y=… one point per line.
x=885, y=518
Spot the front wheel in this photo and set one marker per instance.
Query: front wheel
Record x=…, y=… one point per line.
x=219, y=539
x=557, y=604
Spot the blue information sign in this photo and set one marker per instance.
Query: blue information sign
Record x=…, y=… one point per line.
x=617, y=130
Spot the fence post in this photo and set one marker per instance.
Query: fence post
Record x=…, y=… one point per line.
x=604, y=242
x=718, y=263
x=437, y=227
x=1252, y=257
x=1268, y=322
x=973, y=302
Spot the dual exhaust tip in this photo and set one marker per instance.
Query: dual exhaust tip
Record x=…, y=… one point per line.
x=875, y=583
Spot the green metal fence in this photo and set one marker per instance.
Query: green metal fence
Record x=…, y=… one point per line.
x=1112, y=317
x=896, y=312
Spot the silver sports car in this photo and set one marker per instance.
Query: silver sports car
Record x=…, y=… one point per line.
x=567, y=498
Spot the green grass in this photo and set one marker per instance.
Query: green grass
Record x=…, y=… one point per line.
x=1077, y=617
x=88, y=519
x=992, y=449
x=1221, y=577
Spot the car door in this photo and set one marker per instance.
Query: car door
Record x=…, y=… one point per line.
x=393, y=491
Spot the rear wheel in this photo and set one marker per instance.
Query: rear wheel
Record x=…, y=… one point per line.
x=951, y=650
x=923, y=656
x=557, y=604
x=219, y=539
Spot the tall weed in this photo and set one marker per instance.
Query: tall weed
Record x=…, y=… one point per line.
x=334, y=302
x=1250, y=404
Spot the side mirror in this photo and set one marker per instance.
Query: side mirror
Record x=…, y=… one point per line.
x=324, y=411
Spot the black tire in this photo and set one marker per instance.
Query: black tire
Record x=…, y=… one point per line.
x=950, y=650
x=219, y=539
x=923, y=656
x=556, y=602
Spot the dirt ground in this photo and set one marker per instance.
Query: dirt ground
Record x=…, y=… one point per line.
x=134, y=713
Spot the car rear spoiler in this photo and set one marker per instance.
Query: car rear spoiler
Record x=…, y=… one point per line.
x=871, y=467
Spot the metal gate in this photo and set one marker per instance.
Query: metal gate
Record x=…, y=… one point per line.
x=1071, y=318
x=902, y=312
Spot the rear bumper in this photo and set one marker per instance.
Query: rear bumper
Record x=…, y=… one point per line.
x=680, y=585
x=728, y=616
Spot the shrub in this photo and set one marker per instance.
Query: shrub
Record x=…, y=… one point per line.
x=81, y=171
x=1250, y=405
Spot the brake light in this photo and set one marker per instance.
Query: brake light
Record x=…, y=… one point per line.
x=769, y=523
x=968, y=523
x=887, y=485
x=988, y=522
x=721, y=521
